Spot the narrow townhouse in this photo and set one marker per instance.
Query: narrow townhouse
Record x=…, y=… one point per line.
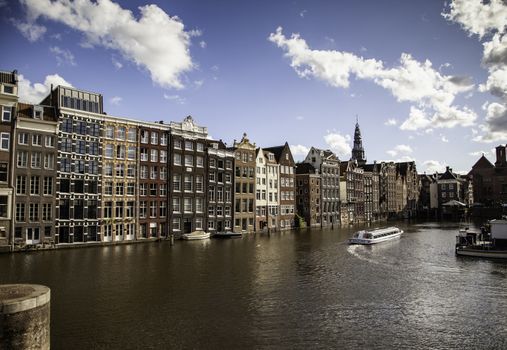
x=187, y=190
x=153, y=176
x=220, y=186
x=36, y=148
x=273, y=191
x=261, y=202
x=308, y=196
x=287, y=174
x=371, y=192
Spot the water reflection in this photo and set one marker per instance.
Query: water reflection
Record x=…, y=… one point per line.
x=304, y=289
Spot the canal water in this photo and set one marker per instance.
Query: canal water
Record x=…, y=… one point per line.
x=292, y=290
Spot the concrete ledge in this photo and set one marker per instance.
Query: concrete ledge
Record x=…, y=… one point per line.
x=21, y=297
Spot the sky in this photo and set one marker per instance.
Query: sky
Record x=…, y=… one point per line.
x=427, y=80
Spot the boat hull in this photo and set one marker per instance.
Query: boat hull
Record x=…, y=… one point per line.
x=482, y=253
x=195, y=237
x=227, y=235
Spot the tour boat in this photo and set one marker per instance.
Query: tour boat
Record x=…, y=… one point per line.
x=227, y=234
x=195, y=235
x=375, y=236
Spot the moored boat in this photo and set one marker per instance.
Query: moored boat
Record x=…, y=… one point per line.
x=227, y=234
x=195, y=235
x=490, y=243
x=375, y=236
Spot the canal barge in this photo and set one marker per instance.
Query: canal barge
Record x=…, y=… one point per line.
x=490, y=242
x=375, y=236
x=227, y=234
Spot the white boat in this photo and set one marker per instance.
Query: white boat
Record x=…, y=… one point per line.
x=195, y=235
x=375, y=236
x=490, y=243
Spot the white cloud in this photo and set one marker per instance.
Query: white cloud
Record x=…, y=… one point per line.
x=155, y=41
x=299, y=150
x=479, y=153
x=432, y=166
x=339, y=143
x=411, y=81
x=202, y=44
x=488, y=19
x=62, y=56
x=391, y=122
x=443, y=138
x=399, y=150
x=175, y=98
x=302, y=13
x=198, y=83
x=117, y=64
x=116, y=100
x=31, y=31
x=37, y=92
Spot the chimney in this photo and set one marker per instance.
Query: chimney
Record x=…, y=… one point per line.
x=501, y=160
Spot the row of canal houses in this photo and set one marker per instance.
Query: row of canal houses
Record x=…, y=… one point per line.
x=72, y=174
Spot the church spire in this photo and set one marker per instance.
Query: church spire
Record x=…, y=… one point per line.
x=358, y=150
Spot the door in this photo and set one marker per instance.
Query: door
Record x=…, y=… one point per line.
x=187, y=226
x=32, y=235
x=220, y=226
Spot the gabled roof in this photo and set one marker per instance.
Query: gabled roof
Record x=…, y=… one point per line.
x=305, y=168
x=483, y=163
x=25, y=110
x=370, y=167
x=448, y=175
x=277, y=151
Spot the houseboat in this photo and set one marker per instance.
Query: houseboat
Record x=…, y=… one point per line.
x=490, y=242
x=375, y=236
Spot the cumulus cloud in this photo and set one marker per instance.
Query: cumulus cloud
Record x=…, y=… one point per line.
x=488, y=20
x=115, y=100
x=339, y=143
x=202, y=44
x=444, y=139
x=31, y=31
x=411, y=81
x=117, y=64
x=400, y=150
x=299, y=150
x=432, y=166
x=35, y=93
x=62, y=56
x=391, y=122
x=155, y=41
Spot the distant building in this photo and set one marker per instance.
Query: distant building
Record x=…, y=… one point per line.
x=388, y=190
x=267, y=191
x=410, y=188
x=327, y=164
x=358, y=150
x=283, y=157
x=351, y=192
x=244, y=182
x=308, y=195
x=490, y=181
x=371, y=192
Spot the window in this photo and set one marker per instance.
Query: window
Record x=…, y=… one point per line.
x=163, y=139
x=109, y=131
x=5, y=140
x=131, y=153
x=163, y=173
x=211, y=177
x=143, y=190
x=177, y=144
x=47, y=186
x=36, y=159
x=108, y=169
x=66, y=145
x=132, y=134
x=153, y=172
x=153, y=209
x=119, y=209
x=189, y=160
x=79, y=166
x=130, y=209
x=198, y=223
x=120, y=133
x=47, y=212
x=33, y=212
x=187, y=205
x=154, y=155
x=198, y=205
x=211, y=193
x=199, y=183
x=176, y=204
x=200, y=147
x=8, y=89
x=20, y=212
x=212, y=163
x=109, y=151
x=120, y=170
x=144, y=136
x=131, y=170
x=176, y=224
x=177, y=182
x=153, y=189
x=131, y=189
x=162, y=209
x=81, y=128
x=108, y=209
x=23, y=138
x=119, y=189
x=120, y=152
x=189, y=145
x=66, y=125
x=144, y=154
x=22, y=159
x=163, y=156
x=34, y=185
x=21, y=184
x=108, y=188
x=162, y=190
x=228, y=178
x=142, y=209
x=154, y=138
x=36, y=140
x=49, y=161
x=7, y=112
x=187, y=184
x=177, y=159
x=199, y=161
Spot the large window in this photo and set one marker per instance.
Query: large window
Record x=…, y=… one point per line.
x=4, y=170
x=187, y=186
x=5, y=140
x=3, y=206
x=21, y=184
x=6, y=113
x=47, y=185
x=35, y=185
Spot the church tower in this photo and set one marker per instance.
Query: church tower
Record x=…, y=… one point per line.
x=358, y=150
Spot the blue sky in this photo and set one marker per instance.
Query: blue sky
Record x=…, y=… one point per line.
x=427, y=79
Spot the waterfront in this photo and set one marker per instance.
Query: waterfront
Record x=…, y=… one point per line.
x=287, y=290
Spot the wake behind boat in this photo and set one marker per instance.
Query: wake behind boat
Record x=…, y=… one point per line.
x=195, y=235
x=375, y=236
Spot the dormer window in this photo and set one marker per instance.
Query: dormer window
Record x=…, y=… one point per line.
x=37, y=112
x=9, y=89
